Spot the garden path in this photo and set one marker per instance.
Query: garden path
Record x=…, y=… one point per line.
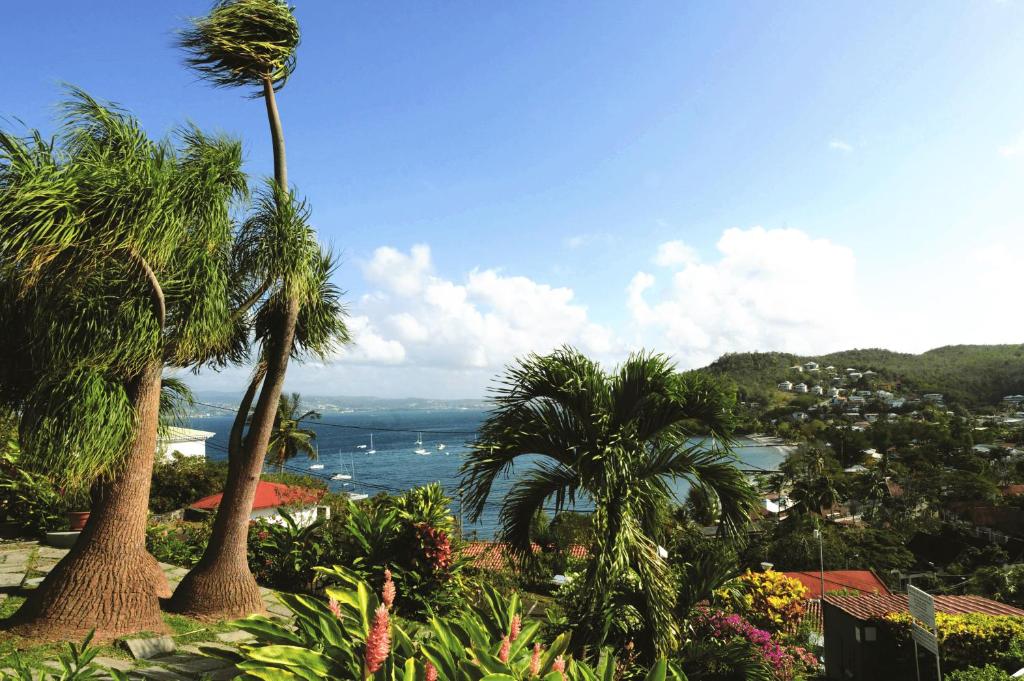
x=24, y=565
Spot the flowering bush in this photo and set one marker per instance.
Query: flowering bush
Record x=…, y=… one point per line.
x=970, y=640
x=356, y=636
x=178, y=543
x=773, y=601
x=785, y=663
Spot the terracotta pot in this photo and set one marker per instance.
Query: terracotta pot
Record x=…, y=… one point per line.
x=77, y=519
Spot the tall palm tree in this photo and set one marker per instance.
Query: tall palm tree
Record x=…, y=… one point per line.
x=289, y=438
x=618, y=439
x=113, y=263
x=252, y=43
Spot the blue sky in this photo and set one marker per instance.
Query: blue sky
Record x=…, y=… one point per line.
x=690, y=177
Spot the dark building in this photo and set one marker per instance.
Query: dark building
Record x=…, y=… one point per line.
x=857, y=649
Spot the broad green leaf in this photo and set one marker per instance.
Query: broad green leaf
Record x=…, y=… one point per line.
x=292, y=656
x=657, y=672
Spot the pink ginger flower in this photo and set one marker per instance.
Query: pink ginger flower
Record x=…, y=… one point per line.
x=559, y=665
x=335, y=608
x=506, y=648
x=535, y=660
x=431, y=671
x=378, y=642
x=515, y=628
x=387, y=592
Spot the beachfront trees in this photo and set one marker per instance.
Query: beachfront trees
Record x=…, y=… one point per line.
x=289, y=438
x=616, y=439
x=251, y=44
x=113, y=263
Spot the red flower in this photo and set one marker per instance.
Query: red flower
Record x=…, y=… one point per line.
x=335, y=607
x=559, y=665
x=506, y=648
x=535, y=660
x=431, y=671
x=387, y=592
x=378, y=642
x=515, y=627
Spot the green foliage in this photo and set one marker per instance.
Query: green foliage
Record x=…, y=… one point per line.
x=969, y=640
x=76, y=664
x=970, y=375
x=283, y=554
x=177, y=543
x=488, y=641
x=181, y=480
x=289, y=438
x=30, y=500
x=987, y=673
x=242, y=42
x=619, y=438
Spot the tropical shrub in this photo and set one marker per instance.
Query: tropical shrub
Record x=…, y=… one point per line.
x=987, y=673
x=355, y=635
x=74, y=664
x=715, y=627
x=283, y=554
x=181, y=480
x=772, y=601
x=970, y=640
x=177, y=543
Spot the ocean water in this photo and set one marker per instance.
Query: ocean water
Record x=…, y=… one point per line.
x=395, y=467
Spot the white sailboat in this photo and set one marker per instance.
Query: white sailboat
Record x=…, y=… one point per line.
x=316, y=467
x=316, y=457
x=441, y=446
x=371, y=450
x=419, y=446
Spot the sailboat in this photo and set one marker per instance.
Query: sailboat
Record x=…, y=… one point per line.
x=346, y=474
x=441, y=446
x=316, y=457
x=343, y=475
x=419, y=445
x=371, y=450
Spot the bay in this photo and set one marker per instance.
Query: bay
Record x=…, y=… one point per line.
x=395, y=467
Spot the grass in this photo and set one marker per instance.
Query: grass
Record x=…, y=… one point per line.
x=184, y=630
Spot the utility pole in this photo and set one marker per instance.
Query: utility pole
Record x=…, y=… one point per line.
x=821, y=562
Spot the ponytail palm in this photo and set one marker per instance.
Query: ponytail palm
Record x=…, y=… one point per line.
x=618, y=439
x=113, y=264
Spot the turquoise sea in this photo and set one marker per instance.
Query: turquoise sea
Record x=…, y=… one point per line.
x=395, y=467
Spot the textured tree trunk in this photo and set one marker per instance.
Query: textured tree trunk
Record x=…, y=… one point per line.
x=108, y=581
x=221, y=584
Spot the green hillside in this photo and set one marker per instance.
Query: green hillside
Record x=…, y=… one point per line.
x=970, y=375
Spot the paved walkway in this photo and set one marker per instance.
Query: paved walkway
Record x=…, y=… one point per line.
x=24, y=565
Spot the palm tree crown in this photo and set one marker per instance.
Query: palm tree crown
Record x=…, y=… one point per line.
x=243, y=43
x=618, y=439
x=289, y=438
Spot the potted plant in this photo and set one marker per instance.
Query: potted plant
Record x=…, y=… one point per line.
x=74, y=502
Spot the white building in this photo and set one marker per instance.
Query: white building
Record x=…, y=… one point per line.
x=818, y=390
x=800, y=388
x=185, y=441
x=934, y=398
x=786, y=385
x=854, y=375
x=810, y=366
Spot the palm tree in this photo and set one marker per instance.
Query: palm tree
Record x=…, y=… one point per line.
x=618, y=439
x=252, y=43
x=114, y=263
x=289, y=439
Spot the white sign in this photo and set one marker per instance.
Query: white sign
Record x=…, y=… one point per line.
x=924, y=638
x=922, y=605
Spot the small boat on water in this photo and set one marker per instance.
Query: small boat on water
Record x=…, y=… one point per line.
x=441, y=446
x=371, y=450
x=316, y=467
x=341, y=476
x=419, y=446
x=360, y=446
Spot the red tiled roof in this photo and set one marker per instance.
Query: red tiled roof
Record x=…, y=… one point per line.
x=865, y=607
x=489, y=555
x=268, y=495
x=862, y=581
x=1012, y=490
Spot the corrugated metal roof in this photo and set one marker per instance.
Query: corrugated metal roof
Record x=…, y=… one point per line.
x=864, y=581
x=268, y=495
x=488, y=555
x=869, y=606
x=178, y=434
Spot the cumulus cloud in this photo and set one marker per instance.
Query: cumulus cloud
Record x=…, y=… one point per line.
x=768, y=289
x=477, y=322
x=840, y=145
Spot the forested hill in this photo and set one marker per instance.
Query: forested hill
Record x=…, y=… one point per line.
x=971, y=375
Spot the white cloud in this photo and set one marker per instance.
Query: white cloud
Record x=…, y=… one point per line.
x=470, y=326
x=674, y=254
x=840, y=145
x=1014, y=148
x=774, y=289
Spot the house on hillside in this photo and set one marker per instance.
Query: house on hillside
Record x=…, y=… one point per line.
x=854, y=375
x=850, y=582
x=299, y=502
x=489, y=555
x=934, y=398
x=810, y=366
x=786, y=385
x=857, y=649
x=184, y=441
x=800, y=388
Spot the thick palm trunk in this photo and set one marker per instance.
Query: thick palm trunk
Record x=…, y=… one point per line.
x=221, y=584
x=108, y=581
